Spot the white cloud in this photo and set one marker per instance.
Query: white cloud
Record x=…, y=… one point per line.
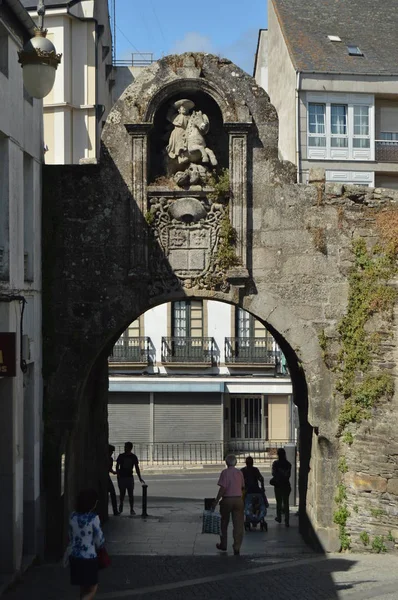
x=193, y=42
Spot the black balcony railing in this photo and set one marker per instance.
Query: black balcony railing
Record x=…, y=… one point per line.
x=387, y=150
x=188, y=350
x=131, y=350
x=251, y=351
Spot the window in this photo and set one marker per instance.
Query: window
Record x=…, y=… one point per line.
x=340, y=130
x=389, y=136
x=29, y=226
x=247, y=418
x=361, y=137
x=354, y=50
x=187, y=320
x=3, y=51
x=316, y=120
x=338, y=125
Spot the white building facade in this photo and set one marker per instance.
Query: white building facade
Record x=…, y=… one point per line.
x=194, y=379
x=333, y=79
x=21, y=155
x=76, y=108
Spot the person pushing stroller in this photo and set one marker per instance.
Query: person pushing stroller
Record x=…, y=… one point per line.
x=256, y=502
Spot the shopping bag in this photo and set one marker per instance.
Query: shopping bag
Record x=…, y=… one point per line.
x=104, y=560
x=211, y=522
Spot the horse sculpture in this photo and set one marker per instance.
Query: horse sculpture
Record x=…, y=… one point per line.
x=197, y=150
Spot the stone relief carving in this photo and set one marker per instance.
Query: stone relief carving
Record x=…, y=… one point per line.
x=186, y=235
x=189, y=160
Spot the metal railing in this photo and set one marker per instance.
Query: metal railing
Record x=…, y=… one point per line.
x=130, y=349
x=386, y=150
x=188, y=350
x=138, y=59
x=251, y=351
x=205, y=453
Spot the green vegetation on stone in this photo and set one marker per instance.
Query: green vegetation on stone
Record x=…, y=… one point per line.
x=221, y=186
x=377, y=512
x=378, y=544
x=364, y=537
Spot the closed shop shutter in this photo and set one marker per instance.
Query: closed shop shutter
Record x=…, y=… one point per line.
x=128, y=417
x=194, y=417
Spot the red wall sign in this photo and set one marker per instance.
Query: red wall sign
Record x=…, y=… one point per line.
x=8, y=360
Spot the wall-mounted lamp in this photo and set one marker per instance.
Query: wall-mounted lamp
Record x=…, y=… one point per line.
x=39, y=60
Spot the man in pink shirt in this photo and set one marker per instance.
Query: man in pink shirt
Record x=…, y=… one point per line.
x=231, y=484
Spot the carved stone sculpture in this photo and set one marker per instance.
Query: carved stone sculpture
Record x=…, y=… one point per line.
x=189, y=158
x=186, y=236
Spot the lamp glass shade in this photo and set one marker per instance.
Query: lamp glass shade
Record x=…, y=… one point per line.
x=38, y=79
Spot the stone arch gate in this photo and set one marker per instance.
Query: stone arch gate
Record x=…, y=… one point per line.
x=125, y=235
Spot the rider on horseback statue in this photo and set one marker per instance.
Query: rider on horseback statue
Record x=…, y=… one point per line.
x=187, y=146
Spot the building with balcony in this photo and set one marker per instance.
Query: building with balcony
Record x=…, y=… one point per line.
x=193, y=379
x=21, y=155
x=332, y=75
x=76, y=108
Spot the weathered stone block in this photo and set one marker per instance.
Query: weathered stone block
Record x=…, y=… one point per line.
x=363, y=482
x=392, y=486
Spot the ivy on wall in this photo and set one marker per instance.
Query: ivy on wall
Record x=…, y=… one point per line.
x=360, y=383
x=369, y=293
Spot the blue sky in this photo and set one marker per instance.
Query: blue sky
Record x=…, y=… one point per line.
x=225, y=27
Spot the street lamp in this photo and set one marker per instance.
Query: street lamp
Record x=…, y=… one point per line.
x=39, y=60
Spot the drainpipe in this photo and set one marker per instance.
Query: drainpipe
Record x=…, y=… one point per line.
x=298, y=153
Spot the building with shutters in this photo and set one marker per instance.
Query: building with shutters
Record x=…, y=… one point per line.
x=194, y=379
x=21, y=155
x=332, y=75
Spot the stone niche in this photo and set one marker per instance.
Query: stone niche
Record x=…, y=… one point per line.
x=191, y=179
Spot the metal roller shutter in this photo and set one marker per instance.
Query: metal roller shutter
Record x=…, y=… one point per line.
x=196, y=417
x=128, y=417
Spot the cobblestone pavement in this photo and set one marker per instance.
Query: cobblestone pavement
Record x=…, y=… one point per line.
x=166, y=557
x=348, y=577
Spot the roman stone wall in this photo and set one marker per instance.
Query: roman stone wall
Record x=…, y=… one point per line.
x=106, y=262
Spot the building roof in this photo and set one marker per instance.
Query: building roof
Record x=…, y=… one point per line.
x=371, y=25
x=24, y=19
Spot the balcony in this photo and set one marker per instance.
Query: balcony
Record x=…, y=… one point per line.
x=386, y=150
x=251, y=351
x=132, y=350
x=188, y=350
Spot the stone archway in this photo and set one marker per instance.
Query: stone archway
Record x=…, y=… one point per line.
x=110, y=253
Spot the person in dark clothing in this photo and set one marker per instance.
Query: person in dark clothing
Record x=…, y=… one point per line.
x=281, y=470
x=125, y=464
x=111, y=487
x=252, y=477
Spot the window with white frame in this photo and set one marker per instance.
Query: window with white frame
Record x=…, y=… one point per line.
x=389, y=136
x=340, y=127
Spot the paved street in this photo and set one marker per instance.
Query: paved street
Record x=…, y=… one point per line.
x=166, y=557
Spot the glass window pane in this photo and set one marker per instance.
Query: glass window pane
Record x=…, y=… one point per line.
x=361, y=143
x=389, y=135
x=180, y=318
x=316, y=118
x=338, y=118
x=361, y=120
x=337, y=142
x=317, y=142
x=243, y=323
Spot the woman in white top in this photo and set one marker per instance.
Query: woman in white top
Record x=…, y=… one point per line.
x=85, y=538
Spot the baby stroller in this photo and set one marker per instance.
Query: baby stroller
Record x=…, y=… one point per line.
x=255, y=511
